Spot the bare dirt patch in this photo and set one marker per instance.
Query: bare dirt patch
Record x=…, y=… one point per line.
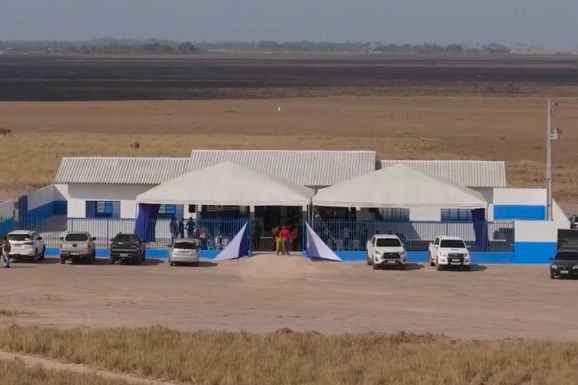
x=271, y=292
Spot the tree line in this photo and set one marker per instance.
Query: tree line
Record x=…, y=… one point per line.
x=157, y=46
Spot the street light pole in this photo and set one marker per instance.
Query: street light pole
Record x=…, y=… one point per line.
x=549, y=162
x=551, y=134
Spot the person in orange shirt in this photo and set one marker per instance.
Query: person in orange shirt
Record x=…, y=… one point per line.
x=285, y=237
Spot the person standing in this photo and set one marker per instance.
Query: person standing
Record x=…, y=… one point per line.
x=295, y=238
x=285, y=237
x=182, y=228
x=275, y=234
x=190, y=228
x=6, y=251
x=174, y=229
x=257, y=235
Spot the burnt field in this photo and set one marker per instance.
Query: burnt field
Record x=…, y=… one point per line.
x=59, y=78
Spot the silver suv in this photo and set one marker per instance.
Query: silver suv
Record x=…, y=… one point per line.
x=77, y=246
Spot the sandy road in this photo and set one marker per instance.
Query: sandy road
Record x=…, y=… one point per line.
x=267, y=293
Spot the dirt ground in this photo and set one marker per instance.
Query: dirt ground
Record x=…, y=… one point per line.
x=267, y=293
x=492, y=128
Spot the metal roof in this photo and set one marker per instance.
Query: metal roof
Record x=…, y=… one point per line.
x=307, y=168
x=468, y=173
x=120, y=170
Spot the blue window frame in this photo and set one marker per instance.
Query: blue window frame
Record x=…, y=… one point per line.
x=168, y=211
x=395, y=214
x=457, y=215
x=103, y=209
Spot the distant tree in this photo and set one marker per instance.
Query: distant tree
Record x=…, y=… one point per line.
x=454, y=49
x=187, y=48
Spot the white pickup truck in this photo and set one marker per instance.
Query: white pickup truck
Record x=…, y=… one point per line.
x=384, y=250
x=449, y=252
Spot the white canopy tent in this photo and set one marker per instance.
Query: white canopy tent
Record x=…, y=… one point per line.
x=398, y=186
x=228, y=184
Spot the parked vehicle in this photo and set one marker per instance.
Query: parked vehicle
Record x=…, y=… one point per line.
x=127, y=247
x=184, y=251
x=449, y=252
x=564, y=264
x=26, y=244
x=385, y=250
x=77, y=246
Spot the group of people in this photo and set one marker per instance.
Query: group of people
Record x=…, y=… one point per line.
x=6, y=248
x=177, y=228
x=283, y=237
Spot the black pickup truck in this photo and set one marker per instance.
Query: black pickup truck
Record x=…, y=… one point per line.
x=127, y=247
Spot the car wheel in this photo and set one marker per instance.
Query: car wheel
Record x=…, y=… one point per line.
x=62, y=260
x=367, y=259
x=467, y=268
x=112, y=260
x=552, y=276
x=431, y=262
x=35, y=257
x=375, y=266
x=402, y=266
x=438, y=266
x=171, y=263
x=196, y=264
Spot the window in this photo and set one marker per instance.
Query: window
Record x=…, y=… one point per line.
x=103, y=209
x=388, y=242
x=168, y=211
x=76, y=237
x=452, y=244
x=457, y=215
x=395, y=214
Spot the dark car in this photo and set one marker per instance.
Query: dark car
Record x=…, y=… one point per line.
x=565, y=264
x=127, y=247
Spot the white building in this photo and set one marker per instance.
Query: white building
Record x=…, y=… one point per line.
x=108, y=187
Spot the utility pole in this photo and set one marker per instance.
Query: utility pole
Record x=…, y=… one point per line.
x=551, y=134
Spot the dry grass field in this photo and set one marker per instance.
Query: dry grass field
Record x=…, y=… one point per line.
x=284, y=357
x=491, y=128
x=16, y=373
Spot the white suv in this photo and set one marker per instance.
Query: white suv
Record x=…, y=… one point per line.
x=449, y=252
x=26, y=244
x=385, y=250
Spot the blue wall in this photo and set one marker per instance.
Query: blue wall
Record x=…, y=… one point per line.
x=510, y=212
x=48, y=210
x=524, y=253
x=6, y=226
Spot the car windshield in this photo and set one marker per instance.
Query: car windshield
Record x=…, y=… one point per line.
x=186, y=245
x=567, y=255
x=388, y=242
x=19, y=237
x=125, y=238
x=76, y=237
x=453, y=243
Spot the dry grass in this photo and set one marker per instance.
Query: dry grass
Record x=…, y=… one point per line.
x=302, y=358
x=7, y=313
x=490, y=128
x=16, y=373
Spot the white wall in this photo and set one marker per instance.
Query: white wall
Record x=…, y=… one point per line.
x=536, y=231
x=61, y=192
x=126, y=194
x=7, y=209
x=425, y=214
x=520, y=196
x=559, y=216
x=487, y=192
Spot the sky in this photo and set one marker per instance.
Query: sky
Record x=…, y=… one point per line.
x=546, y=23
